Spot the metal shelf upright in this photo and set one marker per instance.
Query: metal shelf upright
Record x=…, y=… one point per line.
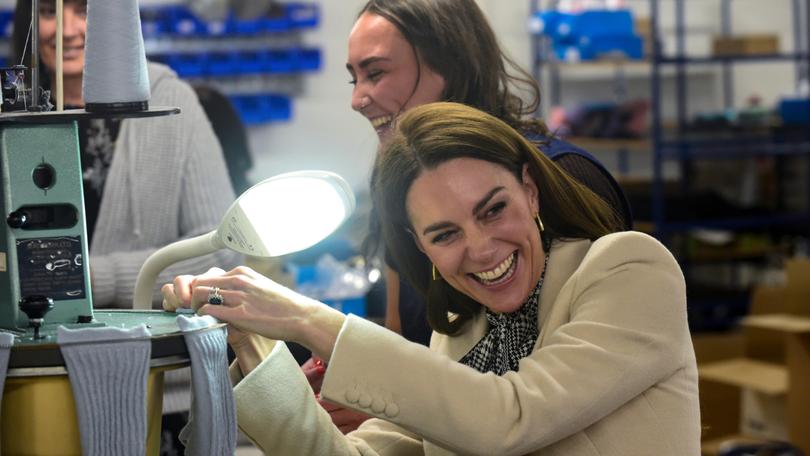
x=684, y=148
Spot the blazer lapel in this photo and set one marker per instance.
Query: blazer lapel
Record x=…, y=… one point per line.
x=563, y=260
x=457, y=346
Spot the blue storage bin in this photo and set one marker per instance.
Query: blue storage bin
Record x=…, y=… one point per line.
x=795, y=111
x=279, y=60
x=302, y=15
x=187, y=65
x=307, y=275
x=279, y=107
x=245, y=26
x=249, y=107
x=594, y=23
x=6, y=22
x=278, y=23
x=630, y=47
x=217, y=28
x=181, y=21
x=250, y=62
x=356, y=306
x=222, y=64
x=308, y=59
x=261, y=108
x=545, y=22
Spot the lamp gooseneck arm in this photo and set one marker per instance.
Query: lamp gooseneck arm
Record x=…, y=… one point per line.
x=172, y=253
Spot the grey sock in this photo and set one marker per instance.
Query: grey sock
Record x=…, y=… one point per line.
x=108, y=369
x=6, y=342
x=211, y=428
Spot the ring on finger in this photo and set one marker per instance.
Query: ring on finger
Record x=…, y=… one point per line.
x=214, y=297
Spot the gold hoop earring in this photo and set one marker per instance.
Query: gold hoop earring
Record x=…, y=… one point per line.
x=435, y=273
x=539, y=222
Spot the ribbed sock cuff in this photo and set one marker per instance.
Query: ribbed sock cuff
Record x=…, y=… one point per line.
x=108, y=370
x=211, y=428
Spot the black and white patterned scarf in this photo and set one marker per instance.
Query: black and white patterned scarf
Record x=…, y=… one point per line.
x=511, y=336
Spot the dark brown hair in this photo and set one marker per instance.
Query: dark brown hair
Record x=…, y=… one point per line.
x=429, y=135
x=455, y=40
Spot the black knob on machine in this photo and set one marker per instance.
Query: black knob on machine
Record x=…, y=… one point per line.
x=44, y=176
x=36, y=306
x=17, y=219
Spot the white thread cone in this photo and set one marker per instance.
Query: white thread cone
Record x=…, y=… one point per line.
x=115, y=63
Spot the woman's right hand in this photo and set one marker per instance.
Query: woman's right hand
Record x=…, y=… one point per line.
x=177, y=295
x=253, y=303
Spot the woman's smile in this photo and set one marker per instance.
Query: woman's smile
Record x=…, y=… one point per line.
x=500, y=274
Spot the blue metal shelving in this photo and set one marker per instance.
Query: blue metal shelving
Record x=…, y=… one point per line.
x=684, y=148
x=720, y=309
x=709, y=308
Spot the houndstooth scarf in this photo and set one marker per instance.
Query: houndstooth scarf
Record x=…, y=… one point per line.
x=511, y=336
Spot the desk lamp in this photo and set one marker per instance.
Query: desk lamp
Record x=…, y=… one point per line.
x=280, y=215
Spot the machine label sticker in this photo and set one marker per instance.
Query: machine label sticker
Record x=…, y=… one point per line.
x=51, y=267
x=3, y=267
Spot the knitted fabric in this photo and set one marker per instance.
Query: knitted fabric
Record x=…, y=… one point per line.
x=211, y=428
x=6, y=342
x=108, y=369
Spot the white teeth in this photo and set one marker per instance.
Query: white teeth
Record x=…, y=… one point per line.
x=499, y=270
x=380, y=121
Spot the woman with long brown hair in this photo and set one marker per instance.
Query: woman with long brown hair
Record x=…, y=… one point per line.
x=555, y=333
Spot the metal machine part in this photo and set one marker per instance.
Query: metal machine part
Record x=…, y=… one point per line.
x=36, y=307
x=43, y=240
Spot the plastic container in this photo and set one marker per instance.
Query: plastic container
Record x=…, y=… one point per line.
x=795, y=111
x=187, y=65
x=334, y=283
x=308, y=59
x=302, y=15
x=260, y=108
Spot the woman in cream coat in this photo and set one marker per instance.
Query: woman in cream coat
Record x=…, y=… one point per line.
x=554, y=334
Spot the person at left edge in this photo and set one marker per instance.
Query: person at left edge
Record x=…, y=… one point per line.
x=147, y=182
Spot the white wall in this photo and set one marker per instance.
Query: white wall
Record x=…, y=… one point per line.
x=325, y=133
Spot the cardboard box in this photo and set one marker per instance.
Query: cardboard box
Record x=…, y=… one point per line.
x=745, y=45
x=764, y=415
x=773, y=375
x=719, y=401
x=644, y=30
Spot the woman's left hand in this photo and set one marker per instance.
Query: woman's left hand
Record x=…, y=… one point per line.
x=254, y=303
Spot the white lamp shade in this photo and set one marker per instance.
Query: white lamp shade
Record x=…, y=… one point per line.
x=280, y=215
x=287, y=213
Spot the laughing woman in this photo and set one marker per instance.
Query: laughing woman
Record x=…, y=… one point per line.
x=553, y=335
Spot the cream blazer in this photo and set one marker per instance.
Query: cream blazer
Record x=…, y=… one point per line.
x=613, y=373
